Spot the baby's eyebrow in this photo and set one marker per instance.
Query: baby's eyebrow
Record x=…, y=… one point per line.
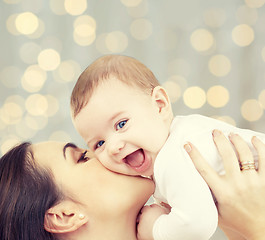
x=115, y=115
x=67, y=145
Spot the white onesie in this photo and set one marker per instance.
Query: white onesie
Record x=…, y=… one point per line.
x=193, y=214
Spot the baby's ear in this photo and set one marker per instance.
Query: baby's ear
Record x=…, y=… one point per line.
x=161, y=99
x=64, y=218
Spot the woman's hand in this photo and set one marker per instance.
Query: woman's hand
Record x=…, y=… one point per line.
x=240, y=193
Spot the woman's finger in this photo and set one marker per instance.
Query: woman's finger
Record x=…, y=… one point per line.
x=260, y=147
x=226, y=152
x=245, y=155
x=211, y=177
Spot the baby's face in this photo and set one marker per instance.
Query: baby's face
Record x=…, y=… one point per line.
x=124, y=128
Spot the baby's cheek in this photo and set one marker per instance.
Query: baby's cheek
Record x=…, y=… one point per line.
x=104, y=162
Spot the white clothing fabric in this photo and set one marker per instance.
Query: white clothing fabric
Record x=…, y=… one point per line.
x=193, y=214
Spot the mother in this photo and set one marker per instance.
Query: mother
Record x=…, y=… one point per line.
x=60, y=187
x=53, y=190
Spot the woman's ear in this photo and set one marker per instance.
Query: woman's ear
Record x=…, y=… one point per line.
x=161, y=100
x=64, y=217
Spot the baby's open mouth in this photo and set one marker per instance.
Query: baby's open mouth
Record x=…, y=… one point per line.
x=135, y=159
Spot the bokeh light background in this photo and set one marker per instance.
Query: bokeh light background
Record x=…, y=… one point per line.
x=208, y=54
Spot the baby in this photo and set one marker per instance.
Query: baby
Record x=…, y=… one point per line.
x=125, y=117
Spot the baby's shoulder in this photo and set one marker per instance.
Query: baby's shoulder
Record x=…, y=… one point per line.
x=193, y=121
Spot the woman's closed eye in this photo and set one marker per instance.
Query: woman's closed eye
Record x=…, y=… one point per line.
x=83, y=157
x=121, y=124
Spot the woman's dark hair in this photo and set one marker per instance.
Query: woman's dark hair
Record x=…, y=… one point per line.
x=27, y=191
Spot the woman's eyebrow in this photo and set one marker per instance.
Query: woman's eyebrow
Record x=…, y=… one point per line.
x=72, y=145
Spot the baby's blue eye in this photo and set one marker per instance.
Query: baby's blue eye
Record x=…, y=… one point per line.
x=99, y=144
x=121, y=124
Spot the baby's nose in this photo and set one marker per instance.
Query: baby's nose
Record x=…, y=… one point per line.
x=115, y=148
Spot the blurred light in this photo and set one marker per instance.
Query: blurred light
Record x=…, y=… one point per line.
x=86, y=19
x=11, y=113
x=31, y=123
x=33, y=79
x=201, y=40
x=217, y=96
x=67, y=71
x=214, y=17
x=246, y=15
x=49, y=59
x=9, y=143
x=23, y=130
x=10, y=76
x=52, y=42
x=181, y=81
x=84, y=30
x=84, y=41
x=138, y=11
x=254, y=3
x=116, y=41
x=29, y=52
x=27, y=23
x=194, y=97
x=11, y=24
x=166, y=39
x=251, y=110
x=262, y=98
x=243, y=35
x=39, y=32
x=36, y=123
x=12, y=1
x=141, y=29
x=131, y=3
x=53, y=106
x=36, y=104
x=75, y=7
x=173, y=90
x=179, y=67
x=57, y=6
x=2, y=124
x=17, y=99
x=60, y=136
x=226, y=119
x=219, y=65
x=101, y=44
x=263, y=53
x=32, y=6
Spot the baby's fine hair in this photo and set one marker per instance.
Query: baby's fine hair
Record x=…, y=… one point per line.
x=126, y=69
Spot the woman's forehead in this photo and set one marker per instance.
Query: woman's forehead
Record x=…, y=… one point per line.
x=44, y=152
x=48, y=147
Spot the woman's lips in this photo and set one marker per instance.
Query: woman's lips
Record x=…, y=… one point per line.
x=138, y=161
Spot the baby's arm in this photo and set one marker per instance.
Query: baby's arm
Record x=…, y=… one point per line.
x=146, y=219
x=193, y=214
x=198, y=130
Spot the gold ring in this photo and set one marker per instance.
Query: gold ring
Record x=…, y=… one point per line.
x=247, y=166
